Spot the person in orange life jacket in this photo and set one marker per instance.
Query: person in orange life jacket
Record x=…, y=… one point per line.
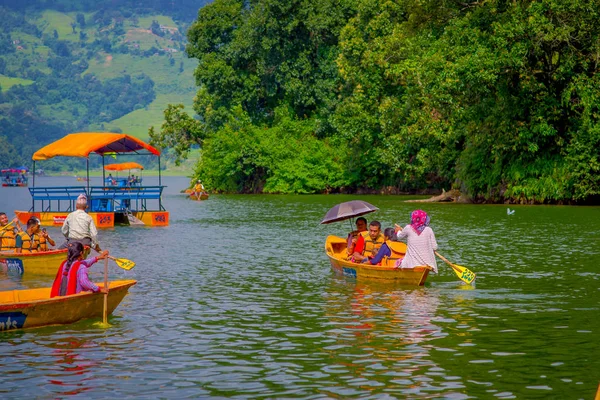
x=361, y=226
x=45, y=239
x=28, y=241
x=8, y=233
x=368, y=243
x=384, y=250
x=72, y=275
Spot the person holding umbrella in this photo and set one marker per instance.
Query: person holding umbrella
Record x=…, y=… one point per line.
x=361, y=226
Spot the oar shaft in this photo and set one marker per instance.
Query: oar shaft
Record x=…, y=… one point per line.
x=105, y=311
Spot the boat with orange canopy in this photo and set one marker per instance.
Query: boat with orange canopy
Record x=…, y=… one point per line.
x=108, y=204
x=123, y=181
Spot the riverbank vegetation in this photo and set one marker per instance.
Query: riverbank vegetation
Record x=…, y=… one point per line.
x=496, y=99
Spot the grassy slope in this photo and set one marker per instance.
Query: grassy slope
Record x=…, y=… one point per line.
x=171, y=86
x=6, y=82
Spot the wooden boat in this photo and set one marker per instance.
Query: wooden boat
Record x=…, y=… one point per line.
x=335, y=248
x=45, y=262
x=203, y=196
x=107, y=204
x=14, y=177
x=21, y=309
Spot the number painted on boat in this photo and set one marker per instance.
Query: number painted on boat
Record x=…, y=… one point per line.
x=350, y=272
x=12, y=320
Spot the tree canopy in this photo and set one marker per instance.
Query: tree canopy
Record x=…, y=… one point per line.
x=495, y=98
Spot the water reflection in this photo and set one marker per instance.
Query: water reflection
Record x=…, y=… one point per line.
x=73, y=369
x=382, y=336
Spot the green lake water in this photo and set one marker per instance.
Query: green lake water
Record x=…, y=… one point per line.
x=236, y=299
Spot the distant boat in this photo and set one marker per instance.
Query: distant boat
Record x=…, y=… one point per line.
x=15, y=176
x=509, y=211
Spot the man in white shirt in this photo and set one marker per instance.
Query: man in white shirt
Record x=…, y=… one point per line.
x=80, y=227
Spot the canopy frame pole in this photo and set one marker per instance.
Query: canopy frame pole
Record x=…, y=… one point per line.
x=103, y=173
x=88, y=174
x=160, y=207
x=32, y=199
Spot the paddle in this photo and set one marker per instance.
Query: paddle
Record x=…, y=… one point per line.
x=122, y=262
x=105, y=312
x=463, y=273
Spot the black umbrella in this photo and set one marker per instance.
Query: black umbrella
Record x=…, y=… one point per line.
x=349, y=209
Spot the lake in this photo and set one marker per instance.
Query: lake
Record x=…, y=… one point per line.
x=236, y=299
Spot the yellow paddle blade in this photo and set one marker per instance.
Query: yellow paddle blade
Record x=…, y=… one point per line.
x=463, y=273
x=123, y=263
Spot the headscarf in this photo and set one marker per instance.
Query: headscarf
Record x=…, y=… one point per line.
x=419, y=220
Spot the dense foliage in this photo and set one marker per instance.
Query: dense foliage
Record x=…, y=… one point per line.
x=495, y=98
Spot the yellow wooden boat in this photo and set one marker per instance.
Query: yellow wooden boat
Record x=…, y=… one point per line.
x=335, y=248
x=203, y=196
x=30, y=308
x=44, y=262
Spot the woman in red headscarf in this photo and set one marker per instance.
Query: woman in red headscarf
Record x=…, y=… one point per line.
x=420, y=242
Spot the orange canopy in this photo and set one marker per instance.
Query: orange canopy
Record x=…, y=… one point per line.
x=123, y=166
x=82, y=144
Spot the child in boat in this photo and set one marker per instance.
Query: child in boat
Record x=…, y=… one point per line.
x=72, y=276
x=420, y=242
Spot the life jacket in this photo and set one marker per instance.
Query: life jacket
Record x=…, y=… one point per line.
x=31, y=244
x=7, y=239
x=71, y=279
x=372, y=246
x=43, y=243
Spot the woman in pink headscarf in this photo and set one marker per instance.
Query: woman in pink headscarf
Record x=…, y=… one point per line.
x=420, y=242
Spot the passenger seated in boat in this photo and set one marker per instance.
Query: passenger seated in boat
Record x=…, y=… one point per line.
x=368, y=243
x=28, y=241
x=72, y=276
x=385, y=250
x=44, y=239
x=361, y=226
x=420, y=242
x=8, y=233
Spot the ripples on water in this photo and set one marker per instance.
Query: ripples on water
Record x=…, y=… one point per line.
x=236, y=299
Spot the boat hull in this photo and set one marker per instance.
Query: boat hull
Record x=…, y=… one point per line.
x=22, y=309
x=42, y=263
x=203, y=196
x=101, y=219
x=57, y=218
x=14, y=184
x=335, y=248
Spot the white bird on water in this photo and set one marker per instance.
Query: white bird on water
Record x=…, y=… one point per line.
x=509, y=211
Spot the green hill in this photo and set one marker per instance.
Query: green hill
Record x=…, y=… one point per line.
x=81, y=66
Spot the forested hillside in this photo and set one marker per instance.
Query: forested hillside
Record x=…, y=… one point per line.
x=68, y=66
x=498, y=99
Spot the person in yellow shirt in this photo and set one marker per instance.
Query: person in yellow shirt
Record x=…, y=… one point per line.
x=198, y=189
